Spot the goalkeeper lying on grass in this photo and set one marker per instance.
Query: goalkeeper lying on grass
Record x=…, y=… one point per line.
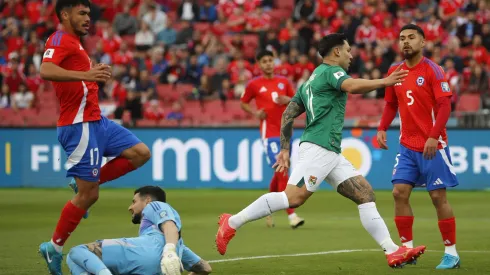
x=159, y=248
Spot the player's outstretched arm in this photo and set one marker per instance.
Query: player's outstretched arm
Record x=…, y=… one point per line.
x=52, y=72
x=361, y=86
x=292, y=111
x=170, y=263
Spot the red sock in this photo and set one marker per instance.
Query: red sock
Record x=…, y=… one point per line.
x=448, y=231
x=68, y=222
x=273, y=184
x=114, y=169
x=404, y=225
x=282, y=182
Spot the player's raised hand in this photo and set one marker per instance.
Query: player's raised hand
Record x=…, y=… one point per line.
x=260, y=114
x=381, y=137
x=397, y=76
x=282, y=162
x=170, y=263
x=99, y=73
x=430, y=148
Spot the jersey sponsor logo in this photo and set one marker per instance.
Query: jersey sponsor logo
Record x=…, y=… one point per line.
x=339, y=74
x=263, y=89
x=445, y=87
x=48, y=53
x=280, y=86
x=312, y=180
x=420, y=81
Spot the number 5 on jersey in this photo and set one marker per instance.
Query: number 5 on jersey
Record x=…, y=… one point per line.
x=409, y=96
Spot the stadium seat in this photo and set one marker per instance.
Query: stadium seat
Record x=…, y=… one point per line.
x=468, y=103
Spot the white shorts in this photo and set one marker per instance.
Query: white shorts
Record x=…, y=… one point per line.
x=316, y=164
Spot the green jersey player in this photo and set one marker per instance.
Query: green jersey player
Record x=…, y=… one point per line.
x=323, y=97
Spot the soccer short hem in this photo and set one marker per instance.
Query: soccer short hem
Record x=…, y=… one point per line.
x=314, y=165
x=342, y=172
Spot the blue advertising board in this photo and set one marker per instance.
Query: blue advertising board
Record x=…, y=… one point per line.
x=224, y=158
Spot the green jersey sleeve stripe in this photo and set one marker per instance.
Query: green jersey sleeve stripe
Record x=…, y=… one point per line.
x=340, y=81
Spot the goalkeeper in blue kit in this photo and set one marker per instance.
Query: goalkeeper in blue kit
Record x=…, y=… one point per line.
x=159, y=248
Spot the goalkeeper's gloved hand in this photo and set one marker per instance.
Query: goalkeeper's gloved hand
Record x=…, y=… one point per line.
x=170, y=263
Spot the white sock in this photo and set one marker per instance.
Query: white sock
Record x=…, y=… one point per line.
x=58, y=248
x=292, y=216
x=262, y=207
x=408, y=244
x=376, y=227
x=451, y=250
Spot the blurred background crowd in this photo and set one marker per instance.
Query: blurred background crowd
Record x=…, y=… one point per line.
x=187, y=62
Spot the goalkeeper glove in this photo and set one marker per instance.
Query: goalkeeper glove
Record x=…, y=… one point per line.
x=170, y=263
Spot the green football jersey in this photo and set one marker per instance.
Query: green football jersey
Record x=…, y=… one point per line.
x=324, y=103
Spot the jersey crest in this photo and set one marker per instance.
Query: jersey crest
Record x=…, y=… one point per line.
x=420, y=81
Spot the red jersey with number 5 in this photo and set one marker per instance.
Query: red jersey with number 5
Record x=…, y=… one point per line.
x=416, y=98
x=79, y=100
x=266, y=91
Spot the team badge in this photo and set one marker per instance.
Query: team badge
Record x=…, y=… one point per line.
x=445, y=87
x=280, y=86
x=339, y=74
x=95, y=172
x=420, y=81
x=312, y=180
x=163, y=214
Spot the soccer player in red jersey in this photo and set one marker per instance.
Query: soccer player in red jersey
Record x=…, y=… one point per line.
x=85, y=135
x=424, y=103
x=272, y=95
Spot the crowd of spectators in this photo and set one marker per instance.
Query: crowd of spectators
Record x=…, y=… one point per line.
x=210, y=45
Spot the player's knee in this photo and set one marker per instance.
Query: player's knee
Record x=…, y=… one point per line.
x=296, y=200
x=438, y=197
x=206, y=269
x=400, y=195
x=144, y=153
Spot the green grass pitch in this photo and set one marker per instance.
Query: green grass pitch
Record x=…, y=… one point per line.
x=28, y=217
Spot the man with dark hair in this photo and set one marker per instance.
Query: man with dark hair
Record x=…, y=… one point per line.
x=423, y=159
x=323, y=97
x=159, y=248
x=86, y=135
x=272, y=93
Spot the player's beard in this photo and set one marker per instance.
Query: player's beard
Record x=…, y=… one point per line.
x=410, y=54
x=78, y=31
x=136, y=219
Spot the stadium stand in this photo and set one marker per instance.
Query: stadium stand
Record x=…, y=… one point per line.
x=186, y=63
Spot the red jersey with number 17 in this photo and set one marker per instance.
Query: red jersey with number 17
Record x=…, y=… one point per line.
x=416, y=98
x=266, y=91
x=79, y=100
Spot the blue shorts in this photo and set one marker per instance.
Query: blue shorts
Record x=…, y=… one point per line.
x=86, y=143
x=272, y=147
x=142, y=255
x=412, y=168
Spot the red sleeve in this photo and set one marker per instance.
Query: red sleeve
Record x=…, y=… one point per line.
x=444, y=111
x=57, y=49
x=290, y=90
x=438, y=82
x=249, y=93
x=389, y=114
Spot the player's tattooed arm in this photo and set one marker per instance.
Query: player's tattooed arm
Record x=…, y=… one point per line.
x=201, y=268
x=357, y=189
x=292, y=111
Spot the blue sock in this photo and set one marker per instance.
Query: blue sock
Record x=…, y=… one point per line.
x=74, y=268
x=88, y=260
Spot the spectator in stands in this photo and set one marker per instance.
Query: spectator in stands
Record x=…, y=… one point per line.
x=155, y=18
x=154, y=111
x=295, y=42
x=486, y=36
x=208, y=12
x=5, y=97
x=480, y=53
x=146, y=87
x=167, y=36
x=34, y=81
x=326, y=9
x=185, y=33
x=100, y=55
x=23, y=98
x=202, y=57
x=13, y=76
x=216, y=81
x=204, y=90
x=453, y=48
x=144, y=38
x=239, y=88
x=188, y=10
x=237, y=20
x=125, y=23
x=173, y=73
x=478, y=80
x=176, y=113
x=366, y=33
x=305, y=9
x=193, y=71
x=467, y=30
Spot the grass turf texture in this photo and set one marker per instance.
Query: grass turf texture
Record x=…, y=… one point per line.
x=28, y=217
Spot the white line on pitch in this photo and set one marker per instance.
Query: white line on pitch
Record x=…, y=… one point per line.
x=321, y=253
